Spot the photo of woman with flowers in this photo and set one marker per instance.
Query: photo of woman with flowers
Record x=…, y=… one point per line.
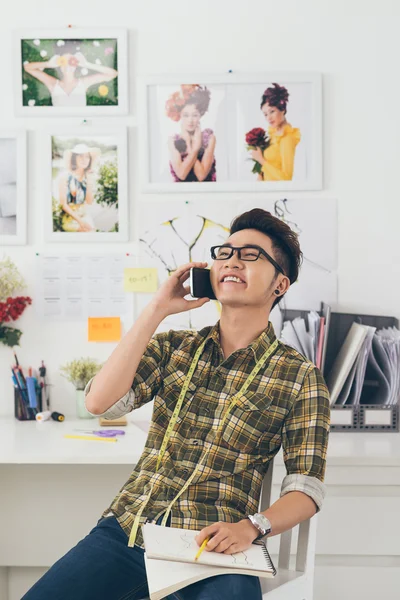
x=69, y=72
x=187, y=135
x=192, y=149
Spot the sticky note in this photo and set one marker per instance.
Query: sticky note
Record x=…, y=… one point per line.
x=104, y=329
x=140, y=280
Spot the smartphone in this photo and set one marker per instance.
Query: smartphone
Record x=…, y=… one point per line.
x=200, y=283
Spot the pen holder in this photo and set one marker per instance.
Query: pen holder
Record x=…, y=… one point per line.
x=22, y=410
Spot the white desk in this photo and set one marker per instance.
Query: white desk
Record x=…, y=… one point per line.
x=53, y=491
x=43, y=443
x=30, y=442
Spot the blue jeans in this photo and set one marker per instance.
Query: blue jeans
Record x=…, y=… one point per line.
x=103, y=567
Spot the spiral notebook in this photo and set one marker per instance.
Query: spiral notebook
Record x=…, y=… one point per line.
x=170, y=564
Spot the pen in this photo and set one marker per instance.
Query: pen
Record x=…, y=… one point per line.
x=204, y=544
x=20, y=404
x=43, y=385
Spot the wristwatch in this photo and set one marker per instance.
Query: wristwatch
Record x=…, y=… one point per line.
x=261, y=523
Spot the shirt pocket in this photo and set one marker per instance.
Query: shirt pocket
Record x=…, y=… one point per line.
x=246, y=423
x=173, y=382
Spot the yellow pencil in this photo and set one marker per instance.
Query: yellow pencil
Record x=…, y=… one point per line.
x=204, y=544
x=90, y=437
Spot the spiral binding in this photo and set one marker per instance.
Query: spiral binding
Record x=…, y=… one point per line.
x=267, y=556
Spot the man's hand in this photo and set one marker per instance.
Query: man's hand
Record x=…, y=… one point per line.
x=170, y=298
x=228, y=538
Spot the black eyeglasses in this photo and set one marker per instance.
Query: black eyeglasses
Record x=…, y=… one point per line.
x=249, y=253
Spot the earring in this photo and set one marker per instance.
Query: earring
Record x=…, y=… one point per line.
x=277, y=292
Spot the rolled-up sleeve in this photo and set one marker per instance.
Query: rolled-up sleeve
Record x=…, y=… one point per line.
x=147, y=381
x=305, y=439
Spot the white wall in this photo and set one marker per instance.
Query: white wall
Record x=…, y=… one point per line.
x=355, y=44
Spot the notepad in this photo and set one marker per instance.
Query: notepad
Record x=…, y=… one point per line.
x=170, y=564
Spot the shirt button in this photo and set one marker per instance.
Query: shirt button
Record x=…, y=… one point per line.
x=195, y=442
x=185, y=471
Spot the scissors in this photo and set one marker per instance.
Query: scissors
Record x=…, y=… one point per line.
x=104, y=432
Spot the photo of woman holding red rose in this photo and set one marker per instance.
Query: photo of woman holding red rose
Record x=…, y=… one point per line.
x=274, y=152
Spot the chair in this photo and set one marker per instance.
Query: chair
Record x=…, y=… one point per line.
x=289, y=583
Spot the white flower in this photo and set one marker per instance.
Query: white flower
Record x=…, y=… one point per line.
x=78, y=47
x=31, y=102
x=24, y=87
x=97, y=61
x=43, y=53
x=60, y=43
x=84, y=71
x=36, y=42
x=95, y=43
x=10, y=279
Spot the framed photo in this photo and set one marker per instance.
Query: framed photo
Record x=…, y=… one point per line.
x=86, y=198
x=12, y=187
x=70, y=72
x=231, y=133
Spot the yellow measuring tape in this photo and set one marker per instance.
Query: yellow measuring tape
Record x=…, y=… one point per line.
x=172, y=424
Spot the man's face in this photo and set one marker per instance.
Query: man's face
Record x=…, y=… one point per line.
x=255, y=280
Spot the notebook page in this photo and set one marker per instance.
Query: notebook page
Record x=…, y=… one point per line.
x=170, y=543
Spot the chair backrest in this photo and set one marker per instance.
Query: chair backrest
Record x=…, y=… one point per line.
x=305, y=554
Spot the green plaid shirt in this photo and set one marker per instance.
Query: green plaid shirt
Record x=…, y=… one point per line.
x=287, y=404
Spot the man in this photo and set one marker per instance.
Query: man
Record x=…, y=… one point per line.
x=207, y=475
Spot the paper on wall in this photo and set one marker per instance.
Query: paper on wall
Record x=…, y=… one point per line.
x=75, y=287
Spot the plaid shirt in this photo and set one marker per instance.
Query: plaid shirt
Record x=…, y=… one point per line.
x=287, y=404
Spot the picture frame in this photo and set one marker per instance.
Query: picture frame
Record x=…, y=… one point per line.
x=224, y=109
x=13, y=187
x=85, y=201
x=86, y=72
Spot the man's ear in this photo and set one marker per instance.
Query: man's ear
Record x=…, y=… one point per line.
x=282, y=286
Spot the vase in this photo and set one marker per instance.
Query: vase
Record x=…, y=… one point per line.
x=81, y=411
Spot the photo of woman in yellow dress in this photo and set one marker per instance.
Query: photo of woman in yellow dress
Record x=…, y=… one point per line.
x=277, y=160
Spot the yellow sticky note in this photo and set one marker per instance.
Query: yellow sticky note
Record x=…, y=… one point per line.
x=140, y=280
x=104, y=329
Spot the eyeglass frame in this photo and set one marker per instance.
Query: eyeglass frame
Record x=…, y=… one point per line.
x=239, y=248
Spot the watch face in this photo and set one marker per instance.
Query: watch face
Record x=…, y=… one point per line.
x=263, y=521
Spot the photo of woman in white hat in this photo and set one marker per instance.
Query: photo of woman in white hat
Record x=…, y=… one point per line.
x=85, y=184
x=76, y=188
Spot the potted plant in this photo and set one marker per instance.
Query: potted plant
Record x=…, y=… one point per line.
x=79, y=372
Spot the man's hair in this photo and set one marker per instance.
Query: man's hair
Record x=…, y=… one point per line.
x=284, y=240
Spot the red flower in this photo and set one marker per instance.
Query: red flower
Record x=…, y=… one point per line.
x=257, y=137
x=12, y=308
